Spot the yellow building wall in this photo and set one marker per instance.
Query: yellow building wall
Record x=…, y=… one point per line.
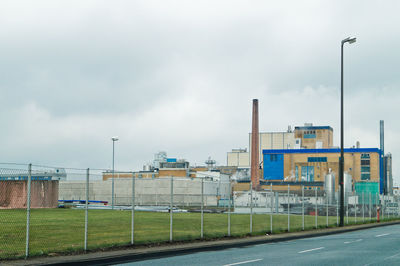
x=172, y=172
x=352, y=165
x=238, y=159
x=241, y=186
x=321, y=135
x=129, y=175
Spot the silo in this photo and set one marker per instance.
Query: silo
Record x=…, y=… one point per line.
x=329, y=187
x=348, y=186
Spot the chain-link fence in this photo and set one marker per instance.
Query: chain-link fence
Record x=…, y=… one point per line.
x=41, y=212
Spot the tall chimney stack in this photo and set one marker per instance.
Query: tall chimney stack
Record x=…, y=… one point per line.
x=382, y=136
x=255, y=159
x=382, y=140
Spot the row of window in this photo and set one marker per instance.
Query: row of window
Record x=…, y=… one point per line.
x=317, y=159
x=308, y=132
x=273, y=157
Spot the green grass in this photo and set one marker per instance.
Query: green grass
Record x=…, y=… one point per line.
x=62, y=230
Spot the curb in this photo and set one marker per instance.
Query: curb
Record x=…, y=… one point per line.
x=133, y=255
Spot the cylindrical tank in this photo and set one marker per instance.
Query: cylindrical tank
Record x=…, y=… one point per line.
x=348, y=186
x=329, y=187
x=147, y=167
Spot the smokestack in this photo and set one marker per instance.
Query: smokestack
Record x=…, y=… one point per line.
x=382, y=138
x=255, y=160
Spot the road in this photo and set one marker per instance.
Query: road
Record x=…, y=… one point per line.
x=376, y=246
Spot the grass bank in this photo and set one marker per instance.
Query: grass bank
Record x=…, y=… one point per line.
x=62, y=230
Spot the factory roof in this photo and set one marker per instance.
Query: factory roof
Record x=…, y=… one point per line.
x=313, y=128
x=333, y=150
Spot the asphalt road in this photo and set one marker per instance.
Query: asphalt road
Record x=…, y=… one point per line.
x=376, y=246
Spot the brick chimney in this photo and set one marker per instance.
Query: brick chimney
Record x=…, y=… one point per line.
x=255, y=160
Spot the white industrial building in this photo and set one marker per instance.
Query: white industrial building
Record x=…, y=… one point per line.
x=267, y=141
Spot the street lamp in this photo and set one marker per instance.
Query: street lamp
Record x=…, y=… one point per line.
x=114, y=139
x=341, y=159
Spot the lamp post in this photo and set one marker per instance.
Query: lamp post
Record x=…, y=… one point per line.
x=341, y=159
x=114, y=139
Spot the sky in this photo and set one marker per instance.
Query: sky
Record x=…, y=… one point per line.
x=180, y=76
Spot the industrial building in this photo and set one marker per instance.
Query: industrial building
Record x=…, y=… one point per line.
x=305, y=157
x=164, y=166
x=44, y=189
x=362, y=165
x=303, y=137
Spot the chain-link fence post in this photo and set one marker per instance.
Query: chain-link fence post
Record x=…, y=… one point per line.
x=272, y=209
x=229, y=208
x=327, y=209
x=86, y=209
x=133, y=210
x=28, y=209
x=288, y=208
x=251, y=207
x=202, y=208
x=171, y=209
x=302, y=207
x=376, y=206
x=347, y=211
x=369, y=203
x=316, y=208
x=277, y=202
x=156, y=196
x=363, y=206
x=355, y=209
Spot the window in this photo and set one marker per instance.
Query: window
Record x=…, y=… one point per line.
x=297, y=173
x=364, y=162
x=317, y=159
x=365, y=169
x=365, y=176
x=273, y=158
x=365, y=156
x=365, y=166
x=307, y=173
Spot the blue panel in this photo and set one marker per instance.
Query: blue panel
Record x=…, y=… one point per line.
x=273, y=166
x=309, y=136
x=171, y=160
x=314, y=128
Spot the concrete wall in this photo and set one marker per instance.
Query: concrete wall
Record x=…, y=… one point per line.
x=44, y=194
x=155, y=191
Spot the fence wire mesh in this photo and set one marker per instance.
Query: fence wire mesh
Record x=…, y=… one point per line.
x=13, y=211
x=82, y=209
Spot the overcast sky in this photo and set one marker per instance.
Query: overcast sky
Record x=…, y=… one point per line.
x=180, y=76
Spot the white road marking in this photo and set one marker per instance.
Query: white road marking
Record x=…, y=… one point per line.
x=348, y=242
x=243, y=262
x=382, y=235
x=308, y=250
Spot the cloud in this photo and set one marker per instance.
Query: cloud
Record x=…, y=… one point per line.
x=180, y=76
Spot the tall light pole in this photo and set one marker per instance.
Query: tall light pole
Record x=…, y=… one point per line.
x=114, y=139
x=341, y=159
